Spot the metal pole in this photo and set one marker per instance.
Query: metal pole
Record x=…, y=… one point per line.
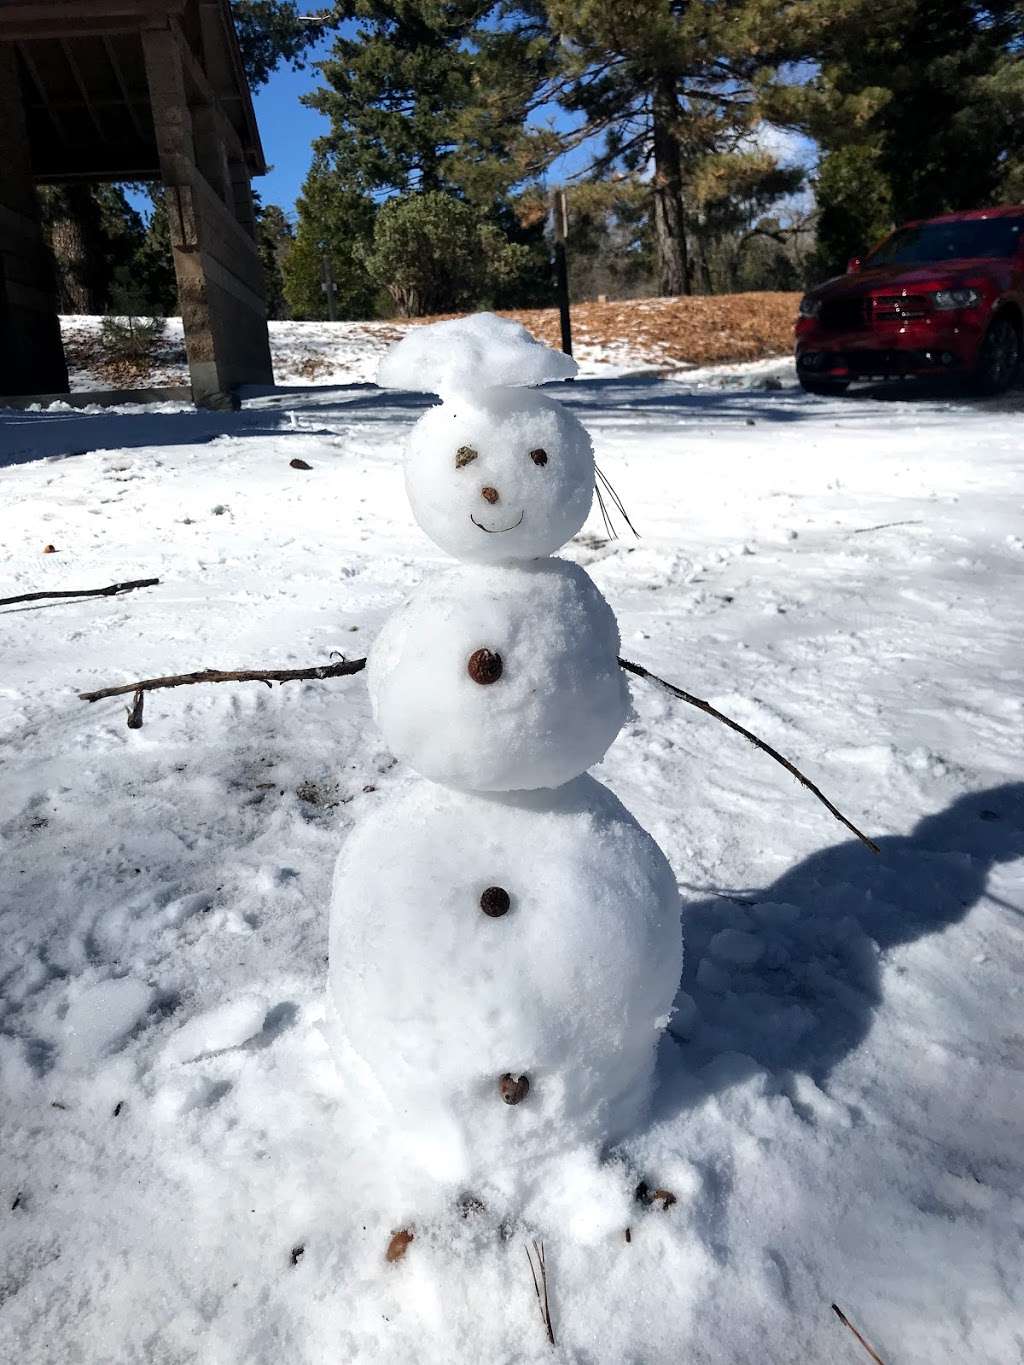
x=560, y=213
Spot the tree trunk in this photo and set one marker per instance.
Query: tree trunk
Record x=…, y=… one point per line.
x=700, y=271
x=669, y=218
x=74, y=239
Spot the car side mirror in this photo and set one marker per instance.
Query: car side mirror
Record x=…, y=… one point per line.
x=853, y=265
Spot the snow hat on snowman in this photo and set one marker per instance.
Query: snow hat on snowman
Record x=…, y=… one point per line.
x=465, y=355
x=496, y=473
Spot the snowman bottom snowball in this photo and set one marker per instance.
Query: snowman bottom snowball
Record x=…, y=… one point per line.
x=501, y=971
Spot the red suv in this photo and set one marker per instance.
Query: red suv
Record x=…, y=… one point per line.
x=945, y=295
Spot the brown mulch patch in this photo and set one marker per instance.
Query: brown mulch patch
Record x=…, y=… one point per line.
x=716, y=329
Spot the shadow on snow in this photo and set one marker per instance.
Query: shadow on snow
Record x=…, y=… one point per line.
x=788, y=978
x=28, y=436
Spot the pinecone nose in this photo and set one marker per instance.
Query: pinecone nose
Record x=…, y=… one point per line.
x=490, y=495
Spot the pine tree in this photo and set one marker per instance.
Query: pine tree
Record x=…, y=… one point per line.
x=335, y=222
x=920, y=109
x=148, y=285
x=608, y=244
x=733, y=193
x=275, y=237
x=433, y=95
x=271, y=32
x=670, y=82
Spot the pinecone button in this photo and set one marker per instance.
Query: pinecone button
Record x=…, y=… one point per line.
x=484, y=666
x=514, y=1089
x=495, y=902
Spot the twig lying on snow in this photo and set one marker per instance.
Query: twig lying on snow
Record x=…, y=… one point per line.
x=540, y=1286
x=217, y=675
x=112, y=591
x=709, y=710
x=883, y=526
x=348, y=666
x=847, y=1323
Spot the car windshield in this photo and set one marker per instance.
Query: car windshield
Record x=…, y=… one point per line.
x=929, y=242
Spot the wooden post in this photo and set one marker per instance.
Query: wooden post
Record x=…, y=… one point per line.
x=216, y=260
x=327, y=284
x=31, y=354
x=560, y=212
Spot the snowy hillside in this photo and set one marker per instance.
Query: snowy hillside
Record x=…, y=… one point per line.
x=184, y=1176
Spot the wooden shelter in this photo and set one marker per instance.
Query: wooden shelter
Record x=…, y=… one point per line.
x=119, y=90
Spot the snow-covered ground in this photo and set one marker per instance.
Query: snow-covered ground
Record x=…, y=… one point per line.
x=183, y=1176
x=332, y=353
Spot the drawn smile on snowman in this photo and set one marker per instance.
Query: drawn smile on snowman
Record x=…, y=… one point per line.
x=498, y=530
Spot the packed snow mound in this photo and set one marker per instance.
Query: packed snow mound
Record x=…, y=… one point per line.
x=468, y=354
x=501, y=476
x=497, y=678
x=566, y=978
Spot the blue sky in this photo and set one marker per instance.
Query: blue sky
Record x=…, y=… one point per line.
x=288, y=129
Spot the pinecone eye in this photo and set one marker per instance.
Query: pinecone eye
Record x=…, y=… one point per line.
x=464, y=455
x=539, y=457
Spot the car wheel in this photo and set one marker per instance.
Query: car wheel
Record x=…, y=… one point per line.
x=998, y=358
x=825, y=388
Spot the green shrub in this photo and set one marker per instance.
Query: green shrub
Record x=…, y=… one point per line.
x=435, y=254
x=132, y=339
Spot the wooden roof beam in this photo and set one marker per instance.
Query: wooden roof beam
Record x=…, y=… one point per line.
x=122, y=85
x=220, y=44
x=22, y=20
x=69, y=57
x=196, y=77
x=41, y=91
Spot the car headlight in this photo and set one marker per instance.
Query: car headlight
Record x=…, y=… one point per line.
x=956, y=298
x=809, y=307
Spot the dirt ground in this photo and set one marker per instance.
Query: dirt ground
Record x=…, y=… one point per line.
x=713, y=330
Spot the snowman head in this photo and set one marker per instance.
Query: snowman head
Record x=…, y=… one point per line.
x=496, y=473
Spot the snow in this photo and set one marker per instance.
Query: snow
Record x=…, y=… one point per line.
x=500, y=476
x=316, y=354
x=557, y=705
x=571, y=986
x=839, y=1114
x=464, y=355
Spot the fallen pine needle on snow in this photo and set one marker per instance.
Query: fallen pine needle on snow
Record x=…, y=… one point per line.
x=847, y=1323
x=710, y=710
x=540, y=1285
x=112, y=590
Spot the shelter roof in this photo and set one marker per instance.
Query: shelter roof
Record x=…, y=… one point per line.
x=84, y=83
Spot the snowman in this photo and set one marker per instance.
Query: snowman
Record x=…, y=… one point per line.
x=505, y=937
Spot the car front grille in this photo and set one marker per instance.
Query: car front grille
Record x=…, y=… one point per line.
x=843, y=315
x=899, y=307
